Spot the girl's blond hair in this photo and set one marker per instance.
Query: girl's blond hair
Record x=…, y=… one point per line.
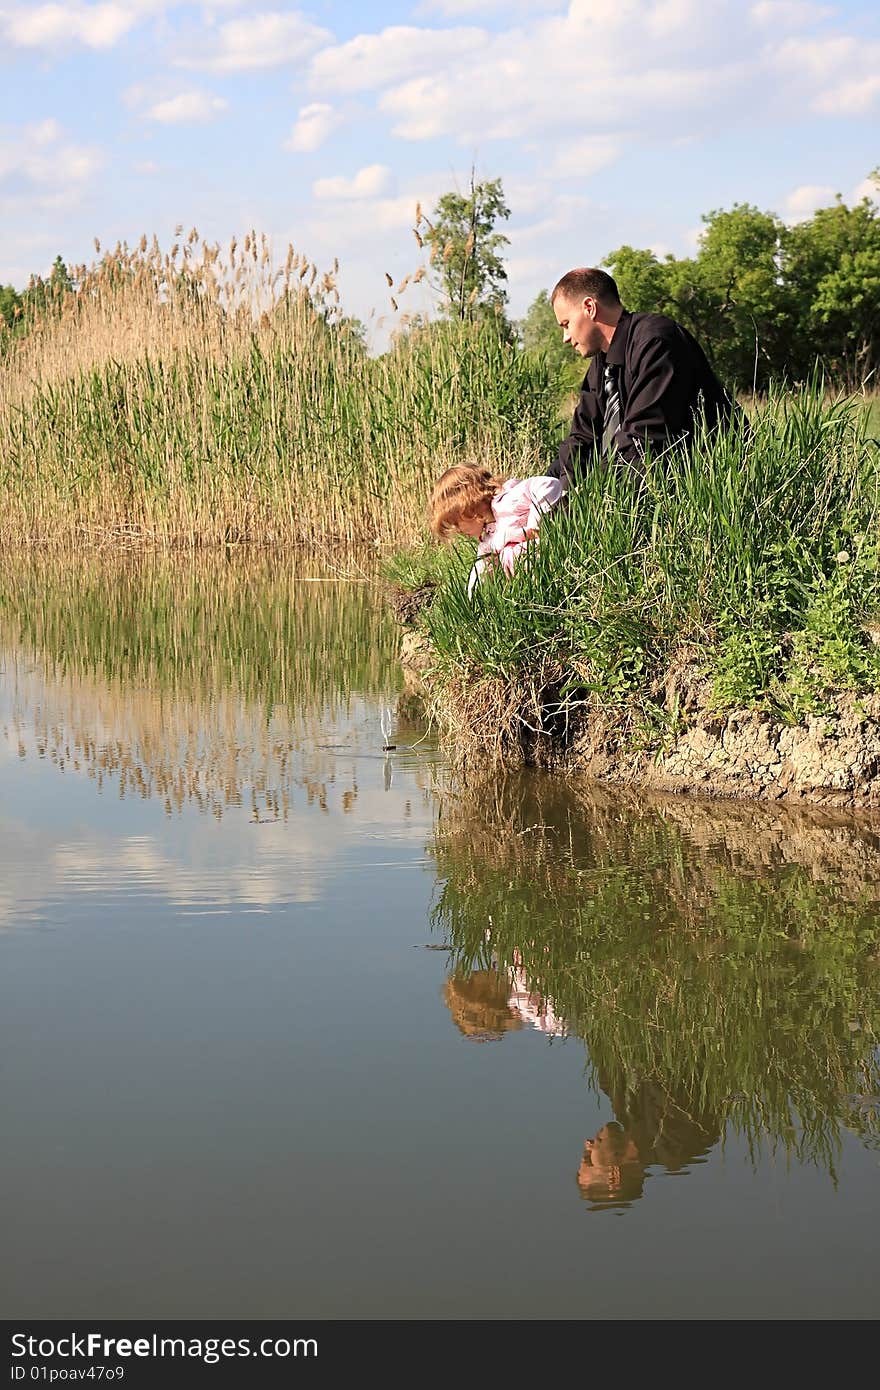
x=465, y=489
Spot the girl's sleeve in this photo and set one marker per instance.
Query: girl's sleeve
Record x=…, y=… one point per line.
x=544, y=493
x=476, y=574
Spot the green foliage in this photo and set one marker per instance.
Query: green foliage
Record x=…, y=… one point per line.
x=427, y=563
x=464, y=248
x=832, y=264
x=541, y=336
x=739, y=258
x=767, y=300
x=19, y=311
x=643, y=280
x=10, y=305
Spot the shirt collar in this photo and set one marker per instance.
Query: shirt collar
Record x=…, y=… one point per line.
x=616, y=354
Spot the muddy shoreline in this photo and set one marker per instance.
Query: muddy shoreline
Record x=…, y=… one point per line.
x=830, y=759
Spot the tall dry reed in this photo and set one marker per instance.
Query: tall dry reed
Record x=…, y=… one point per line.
x=193, y=397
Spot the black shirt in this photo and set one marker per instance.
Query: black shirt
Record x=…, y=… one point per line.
x=665, y=385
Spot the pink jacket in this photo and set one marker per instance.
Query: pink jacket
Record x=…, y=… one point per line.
x=517, y=509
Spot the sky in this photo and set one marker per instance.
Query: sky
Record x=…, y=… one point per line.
x=324, y=126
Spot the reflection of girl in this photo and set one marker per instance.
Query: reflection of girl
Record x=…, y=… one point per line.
x=486, y=1004
x=503, y=516
x=532, y=1007
x=478, y=1003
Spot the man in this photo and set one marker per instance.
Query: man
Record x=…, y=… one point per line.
x=648, y=385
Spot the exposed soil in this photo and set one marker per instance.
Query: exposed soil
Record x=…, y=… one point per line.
x=829, y=759
x=832, y=759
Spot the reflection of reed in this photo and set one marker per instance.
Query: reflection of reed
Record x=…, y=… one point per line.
x=207, y=681
x=725, y=958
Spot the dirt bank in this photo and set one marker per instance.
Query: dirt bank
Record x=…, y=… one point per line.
x=830, y=759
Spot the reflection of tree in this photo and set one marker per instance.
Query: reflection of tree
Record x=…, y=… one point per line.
x=720, y=963
x=205, y=680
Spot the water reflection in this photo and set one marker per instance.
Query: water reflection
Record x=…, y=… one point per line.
x=242, y=686
x=216, y=684
x=720, y=963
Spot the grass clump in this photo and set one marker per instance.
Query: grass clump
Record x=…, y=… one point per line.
x=753, y=562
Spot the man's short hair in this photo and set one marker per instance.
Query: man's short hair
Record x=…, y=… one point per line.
x=577, y=284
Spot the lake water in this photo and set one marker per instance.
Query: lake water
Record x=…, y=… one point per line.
x=297, y=1026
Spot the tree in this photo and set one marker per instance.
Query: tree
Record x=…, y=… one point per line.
x=541, y=335
x=832, y=264
x=10, y=306
x=642, y=280
x=45, y=294
x=740, y=258
x=768, y=300
x=464, y=249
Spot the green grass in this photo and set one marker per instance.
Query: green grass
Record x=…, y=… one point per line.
x=758, y=555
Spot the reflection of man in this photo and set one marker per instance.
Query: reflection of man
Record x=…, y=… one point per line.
x=651, y=1129
x=648, y=382
x=611, y=1170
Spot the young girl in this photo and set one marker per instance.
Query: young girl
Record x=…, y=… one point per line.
x=503, y=516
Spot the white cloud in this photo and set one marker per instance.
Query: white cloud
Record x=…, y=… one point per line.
x=788, y=14
x=53, y=25
x=375, y=218
x=648, y=63
x=868, y=188
x=266, y=40
x=802, y=202
x=454, y=9
x=369, y=182
x=850, y=98
x=189, y=108
x=43, y=132
x=146, y=166
x=37, y=158
x=374, y=60
x=838, y=73
x=578, y=159
x=531, y=268
x=667, y=68
x=313, y=125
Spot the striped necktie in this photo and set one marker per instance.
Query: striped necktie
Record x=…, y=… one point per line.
x=612, y=410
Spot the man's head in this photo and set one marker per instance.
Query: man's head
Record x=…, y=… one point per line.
x=587, y=307
x=612, y=1172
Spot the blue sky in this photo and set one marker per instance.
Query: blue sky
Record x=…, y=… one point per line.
x=324, y=125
